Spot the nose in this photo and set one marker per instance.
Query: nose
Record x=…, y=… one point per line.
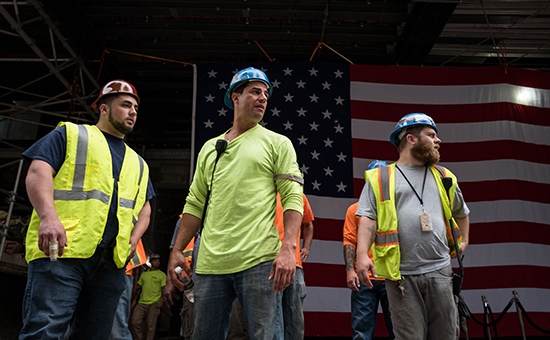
x=437, y=139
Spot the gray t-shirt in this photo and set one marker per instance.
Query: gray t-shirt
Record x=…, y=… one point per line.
x=421, y=251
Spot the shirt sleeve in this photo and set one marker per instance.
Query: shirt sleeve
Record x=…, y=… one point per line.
x=150, y=190
x=51, y=148
x=350, y=227
x=194, y=203
x=291, y=191
x=308, y=214
x=460, y=209
x=367, y=202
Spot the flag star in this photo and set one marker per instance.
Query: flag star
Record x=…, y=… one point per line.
x=288, y=125
x=235, y=71
x=328, y=143
x=313, y=72
x=338, y=74
x=210, y=98
x=301, y=112
x=302, y=140
x=264, y=70
x=222, y=85
x=327, y=114
x=275, y=83
x=313, y=98
x=288, y=98
x=328, y=171
x=301, y=84
x=262, y=123
x=208, y=124
x=275, y=112
x=288, y=71
x=339, y=129
x=339, y=100
x=341, y=157
x=314, y=126
x=341, y=187
x=222, y=111
x=315, y=155
x=304, y=169
x=326, y=85
x=212, y=74
x=316, y=185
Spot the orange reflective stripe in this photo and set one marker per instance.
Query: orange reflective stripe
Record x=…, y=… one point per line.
x=387, y=238
x=139, y=258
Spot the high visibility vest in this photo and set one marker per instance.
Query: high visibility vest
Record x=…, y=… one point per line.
x=386, y=251
x=83, y=189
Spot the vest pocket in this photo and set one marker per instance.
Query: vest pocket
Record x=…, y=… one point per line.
x=71, y=229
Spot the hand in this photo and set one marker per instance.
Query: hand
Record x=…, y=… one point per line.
x=283, y=270
x=51, y=231
x=364, y=265
x=304, y=254
x=168, y=293
x=159, y=304
x=133, y=246
x=352, y=280
x=463, y=246
x=177, y=259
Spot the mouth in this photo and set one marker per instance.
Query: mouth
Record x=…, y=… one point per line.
x=261, y=107
x=130, y=121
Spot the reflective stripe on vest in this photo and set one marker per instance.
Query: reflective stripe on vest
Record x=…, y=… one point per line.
x=127, y=203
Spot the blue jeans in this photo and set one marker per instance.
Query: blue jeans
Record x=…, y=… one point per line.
x=120, y=330
x=293, y=300
x=214, y=296
x=364, y=310
x=84, y=292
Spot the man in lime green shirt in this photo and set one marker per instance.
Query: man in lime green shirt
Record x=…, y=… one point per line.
x=240, y=252
x=150, y=287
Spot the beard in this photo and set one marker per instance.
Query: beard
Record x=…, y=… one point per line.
x=119, y=126
x=426, y=154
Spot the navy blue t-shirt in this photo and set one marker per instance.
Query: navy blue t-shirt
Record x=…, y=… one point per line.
x=52, y=149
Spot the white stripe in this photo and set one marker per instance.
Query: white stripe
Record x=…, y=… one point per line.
x=476, y=255
x=330, y=207
x=449, y=94
x=326, y=299
x=460, y=132
x=500, y=169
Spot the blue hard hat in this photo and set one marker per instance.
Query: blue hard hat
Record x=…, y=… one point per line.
x=376, y=164
x=246, y=75
x=410, y=120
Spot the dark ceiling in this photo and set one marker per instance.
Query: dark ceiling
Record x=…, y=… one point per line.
x=53, y=51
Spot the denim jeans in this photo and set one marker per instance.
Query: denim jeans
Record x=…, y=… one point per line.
x=214, y=296
x=293, y=300
x=120, y=329
x=85, y=291
x=364, y=310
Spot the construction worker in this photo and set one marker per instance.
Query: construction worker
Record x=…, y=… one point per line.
x=408, y=214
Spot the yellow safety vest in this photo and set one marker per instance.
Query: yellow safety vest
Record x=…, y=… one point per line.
x=83, y=189
x=386, y=251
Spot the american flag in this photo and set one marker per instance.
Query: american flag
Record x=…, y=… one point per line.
x=494, y=123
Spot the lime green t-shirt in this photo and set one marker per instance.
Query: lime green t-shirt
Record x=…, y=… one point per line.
x=238, y=231
x=151, y=283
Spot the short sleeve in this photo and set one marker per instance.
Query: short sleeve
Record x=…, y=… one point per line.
x=51, y=148
x=460, y=209
x=367, y=202
x=308, y=214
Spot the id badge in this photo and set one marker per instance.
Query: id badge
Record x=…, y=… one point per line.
x=425, y=222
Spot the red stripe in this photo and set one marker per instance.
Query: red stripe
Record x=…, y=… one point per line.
x=320, y=324
x=449, y=75
x=451, y=114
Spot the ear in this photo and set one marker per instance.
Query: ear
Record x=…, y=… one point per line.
x=411, y=139
x=104, y=109
x=235, y=97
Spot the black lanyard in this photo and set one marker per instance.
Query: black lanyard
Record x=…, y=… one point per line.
x=423, y=183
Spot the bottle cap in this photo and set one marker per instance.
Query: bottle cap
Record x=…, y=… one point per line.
x=178, y=270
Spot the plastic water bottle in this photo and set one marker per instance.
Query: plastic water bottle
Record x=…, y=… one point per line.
x=188, y=284
x=53, y=252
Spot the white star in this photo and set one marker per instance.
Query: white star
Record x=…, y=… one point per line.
x=316, y=185
x=339, y=129
x=304, y=169
x=235, y=71
x=339, y=100
x=288, y=98
x=341, y=187
x=288, y=71
x=301, y=84
x=264, y=70
x=301, y=112
x=314, y=126
x=302, y=140
x=212, y=74
x=288, y=125
x=222, y=85
x=275, y=112
x=338, y=74
x=341, y=157
x=275, y=83
x=328, y=171
x=327, y=114
x=262, y=123
x=208, y=124
x=315, y=155
x=313, y=98
x=328, y=143
x=222, y=111
x=210, y=98
x=313, y=72
x=326, y=85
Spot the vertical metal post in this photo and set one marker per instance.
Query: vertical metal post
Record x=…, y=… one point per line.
x=11, y=199
x=518, y=310
x=486, y=318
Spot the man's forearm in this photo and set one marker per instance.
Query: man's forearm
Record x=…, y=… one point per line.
x=464, y=226
x=366, y=234
x=39, y=183
x=308, y=234
x=349, y=256
x=142, y=223
x=292, y=222
x=189, y=226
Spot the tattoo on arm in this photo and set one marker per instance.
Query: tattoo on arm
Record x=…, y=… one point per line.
x=372, y=229
x=349, y=256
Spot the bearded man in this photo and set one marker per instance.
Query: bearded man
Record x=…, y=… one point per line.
x=405, y=213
